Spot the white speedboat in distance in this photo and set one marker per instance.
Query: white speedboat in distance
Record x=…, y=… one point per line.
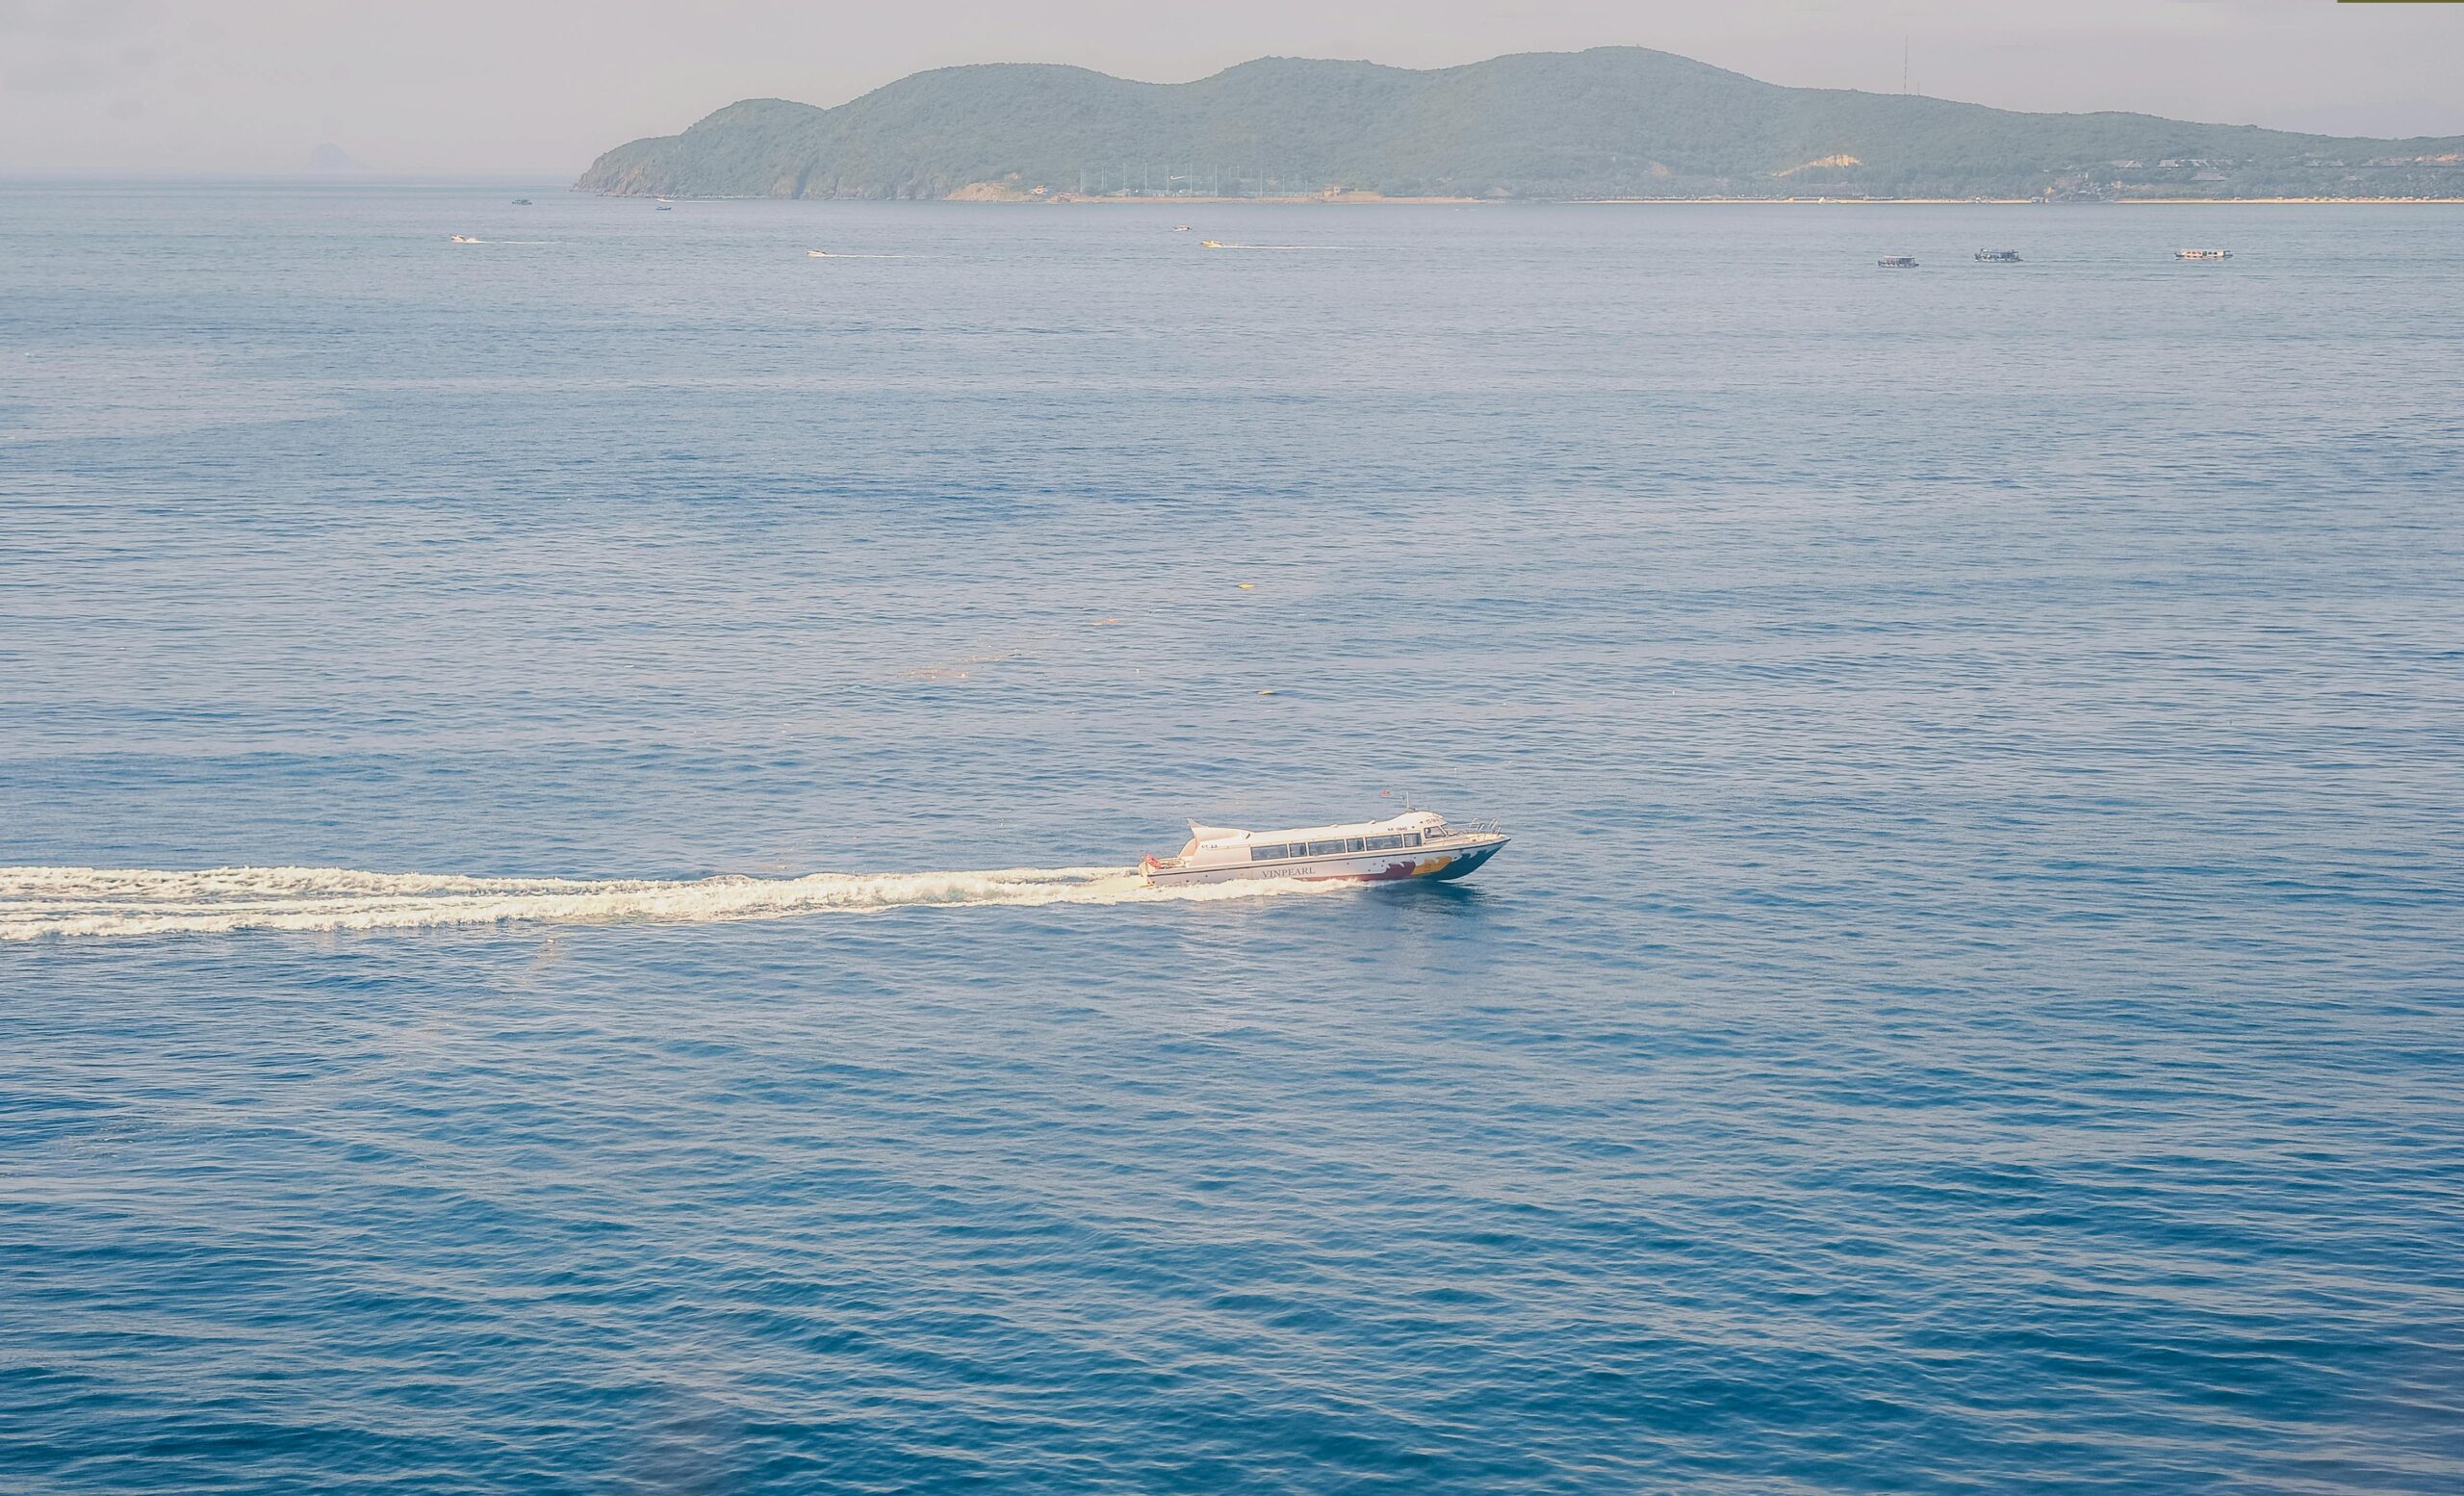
x=1415, y=844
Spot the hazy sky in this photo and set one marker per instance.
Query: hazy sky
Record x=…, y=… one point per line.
x=542, y=85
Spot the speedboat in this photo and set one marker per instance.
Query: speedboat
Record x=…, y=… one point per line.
x=1415, y=844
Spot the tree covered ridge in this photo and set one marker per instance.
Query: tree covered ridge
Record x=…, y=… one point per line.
x=1611, y=122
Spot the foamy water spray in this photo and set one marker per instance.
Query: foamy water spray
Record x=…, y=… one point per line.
x=71, y=902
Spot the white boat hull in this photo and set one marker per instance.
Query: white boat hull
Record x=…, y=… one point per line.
x=1453, y=859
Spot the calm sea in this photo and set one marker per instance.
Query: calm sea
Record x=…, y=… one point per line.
x=1972, y=1004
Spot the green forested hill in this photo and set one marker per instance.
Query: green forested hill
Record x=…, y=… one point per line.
x=1612, y=123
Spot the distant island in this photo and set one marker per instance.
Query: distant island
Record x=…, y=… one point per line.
x=1614, y=122
x=332, y=158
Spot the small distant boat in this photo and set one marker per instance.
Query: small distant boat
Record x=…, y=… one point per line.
x=1897, y=262
x=1998, y=256
x=1210, y=243
x=818, y=254
x=1180, y=228
x=2202, y=254
x=662, y=208
x=522, y=202
x=465, y=238
x=1415, y=844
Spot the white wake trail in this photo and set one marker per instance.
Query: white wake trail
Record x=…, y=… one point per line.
x=71, y=902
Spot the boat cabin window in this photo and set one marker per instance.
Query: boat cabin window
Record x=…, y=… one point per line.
x=1384, y=843
x=1269, y=854
x=1327, y=848
x=1353, y=844
x=1411, y=838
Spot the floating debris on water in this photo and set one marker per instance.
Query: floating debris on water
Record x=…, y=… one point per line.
x=957, y=669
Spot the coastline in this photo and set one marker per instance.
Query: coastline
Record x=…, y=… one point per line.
x=1372, y=201
x=2185, y=203
x=2028, y=202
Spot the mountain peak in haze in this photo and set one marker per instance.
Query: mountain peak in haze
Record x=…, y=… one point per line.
x=1611, y=122
x=332, y=158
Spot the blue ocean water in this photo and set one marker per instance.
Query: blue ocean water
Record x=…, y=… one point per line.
x=1971, y=1006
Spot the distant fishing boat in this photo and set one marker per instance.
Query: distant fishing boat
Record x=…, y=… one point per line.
x=662, y=208
x=522, y=202
x=2202, y=254
x=1416, y=844
x=1897, y=262
x=1180, y=228
x=1998, y=256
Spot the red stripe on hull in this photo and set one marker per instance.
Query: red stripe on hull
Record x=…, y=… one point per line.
x=1393, y=871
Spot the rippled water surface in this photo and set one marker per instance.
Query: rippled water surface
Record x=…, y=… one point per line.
x=1971, y=1005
